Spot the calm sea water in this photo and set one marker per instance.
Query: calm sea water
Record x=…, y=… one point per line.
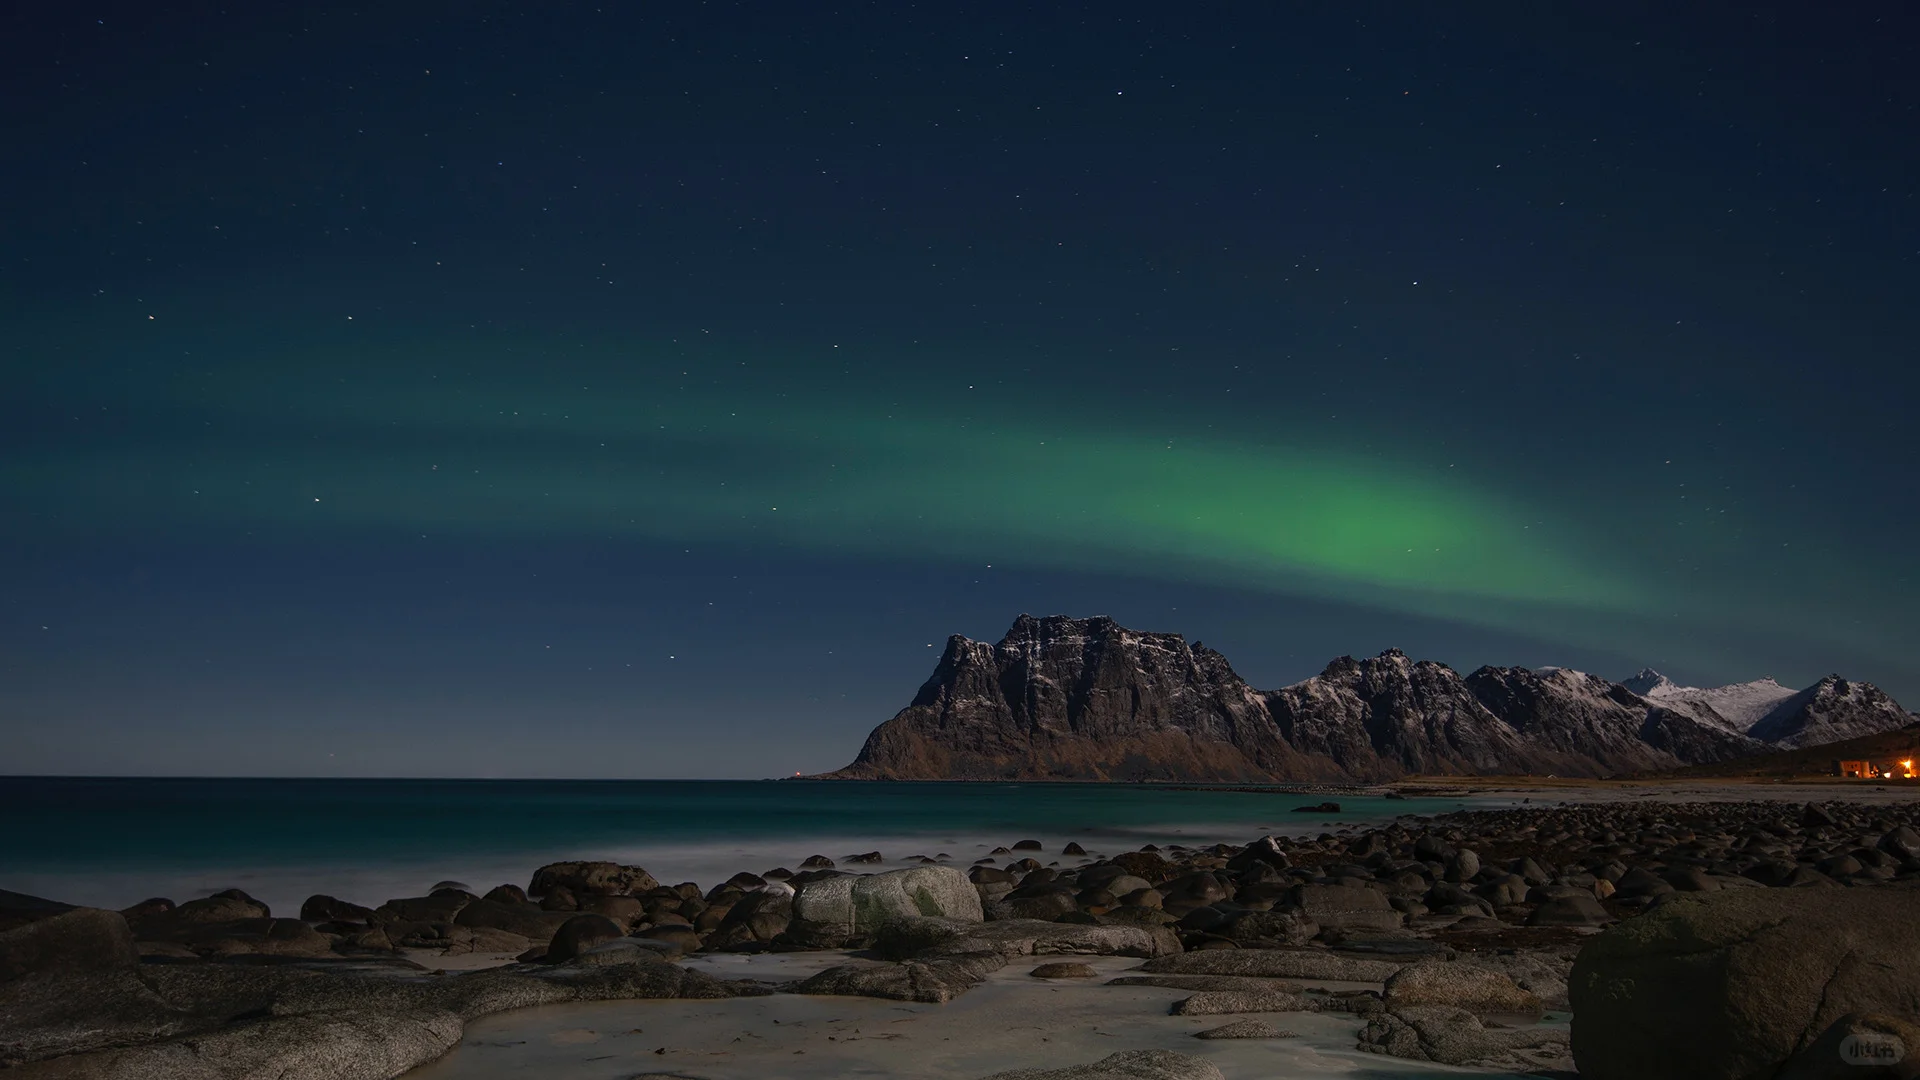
x=114, y=841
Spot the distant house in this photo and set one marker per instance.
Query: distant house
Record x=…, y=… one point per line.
x=1875, y=770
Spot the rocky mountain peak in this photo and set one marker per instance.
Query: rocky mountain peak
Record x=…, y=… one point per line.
x=1065, y=698
x=1646, y=681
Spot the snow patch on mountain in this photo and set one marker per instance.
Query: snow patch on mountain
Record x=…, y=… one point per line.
x=1737, y=707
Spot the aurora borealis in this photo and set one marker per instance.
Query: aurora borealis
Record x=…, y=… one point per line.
x=615, y=393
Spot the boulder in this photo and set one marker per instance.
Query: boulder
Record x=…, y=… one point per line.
x=1731, y=984
x=526, y=920
x=759, y=916
x=1141, y=864
x=342, y=1020
x=591, y=877
x=323, y=908
x=841, y=911
x=683, y=939
x=1859, y=1046
x=1125, y=1065
x=1270, y=928
x=1206, y=982
x=1573, y=909
x=935, y=981
x=1273, y=964
x=1216, y=1002
x=1063, y=970
x=1345, y=907
x=76, y=940
x=219, y=908
x=1464, y=986
x=1245, y=1029
x=1450, y=1036
x=580, y=933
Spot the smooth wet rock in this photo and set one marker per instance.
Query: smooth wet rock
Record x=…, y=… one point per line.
x=1125, y=1065
x=1245, y=1029
x=1207, y=982
x=1728, y=985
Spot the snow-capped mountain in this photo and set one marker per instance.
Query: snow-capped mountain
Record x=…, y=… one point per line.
x=1828, y=711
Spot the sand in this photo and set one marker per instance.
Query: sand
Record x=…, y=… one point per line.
x=1014, y=1020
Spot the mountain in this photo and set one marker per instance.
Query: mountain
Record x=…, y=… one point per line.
x=1830, y=710
x=1059, y=698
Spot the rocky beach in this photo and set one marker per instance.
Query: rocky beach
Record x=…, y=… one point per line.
x=1558, y=935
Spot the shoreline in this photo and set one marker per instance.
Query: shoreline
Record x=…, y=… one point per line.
x=1293, y=941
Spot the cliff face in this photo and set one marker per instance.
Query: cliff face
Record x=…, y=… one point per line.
x=1088, y=699
x=1062, y=698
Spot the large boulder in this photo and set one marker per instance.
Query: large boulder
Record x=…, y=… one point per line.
x=1345, y=907
x=580, y=933
x=848, y=910
x=77, y=940
x=591, y=877
x=1730, y=985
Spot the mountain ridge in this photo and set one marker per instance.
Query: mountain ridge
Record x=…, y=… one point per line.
x=1059, y=698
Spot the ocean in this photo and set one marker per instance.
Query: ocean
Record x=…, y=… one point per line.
x=111, y=842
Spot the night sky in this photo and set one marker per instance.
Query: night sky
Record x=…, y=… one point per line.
x=649, y=389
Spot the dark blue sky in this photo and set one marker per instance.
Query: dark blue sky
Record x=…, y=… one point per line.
x=476, y=390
